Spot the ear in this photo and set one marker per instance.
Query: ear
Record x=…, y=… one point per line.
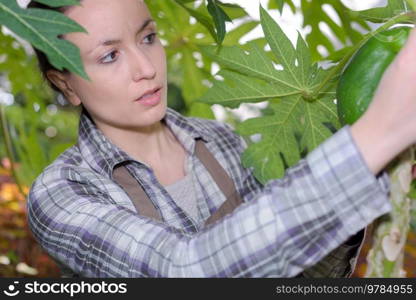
x=60, y=80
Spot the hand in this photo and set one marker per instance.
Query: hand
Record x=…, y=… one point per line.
x=389, y=125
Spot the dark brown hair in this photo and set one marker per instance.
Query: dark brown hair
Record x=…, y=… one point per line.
x=43, y=61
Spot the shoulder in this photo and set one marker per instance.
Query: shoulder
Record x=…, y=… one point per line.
x=68, y=168
x=63, y=188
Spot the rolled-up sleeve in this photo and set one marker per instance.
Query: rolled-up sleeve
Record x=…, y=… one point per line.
x=341, y=261
x=337, y=161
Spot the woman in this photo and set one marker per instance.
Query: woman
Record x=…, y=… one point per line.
x=147, y=192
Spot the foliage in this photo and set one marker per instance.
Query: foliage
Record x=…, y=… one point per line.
x=300, y=93
x=20, y=255
x=341, y=29
x=256, y=79
x=39, y=136
x=42, y=28
x=33, y=113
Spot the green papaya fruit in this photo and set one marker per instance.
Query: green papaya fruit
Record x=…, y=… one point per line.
x=363, y=73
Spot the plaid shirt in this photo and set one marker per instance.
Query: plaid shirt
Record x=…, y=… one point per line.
x=88, y=224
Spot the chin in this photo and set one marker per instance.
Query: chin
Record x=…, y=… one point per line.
x=154, y=115
x=162, y=108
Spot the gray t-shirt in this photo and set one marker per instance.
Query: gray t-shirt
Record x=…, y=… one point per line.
x=183, y=192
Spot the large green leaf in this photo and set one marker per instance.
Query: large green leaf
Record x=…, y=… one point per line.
x=220, y=13
x=345, y=32
x=314, y=15
x=220, y=17
x=233, y=36
x=41, y=28
x=201, y=18
x=295, y=123
x=58, y=3
x=279, y=4
x=194, y=76
x=234, y=11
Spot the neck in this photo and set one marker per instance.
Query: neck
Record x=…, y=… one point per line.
x=150, y=144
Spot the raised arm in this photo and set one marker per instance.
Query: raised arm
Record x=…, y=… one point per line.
x=389, y=125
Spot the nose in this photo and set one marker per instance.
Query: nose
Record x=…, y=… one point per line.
x=141, y=65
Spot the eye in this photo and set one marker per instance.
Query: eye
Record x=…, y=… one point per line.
x=151, y=38
x=110, y=57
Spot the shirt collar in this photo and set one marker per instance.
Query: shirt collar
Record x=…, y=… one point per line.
x=102, y=155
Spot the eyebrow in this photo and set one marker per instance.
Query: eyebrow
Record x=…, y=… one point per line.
x=112, y=42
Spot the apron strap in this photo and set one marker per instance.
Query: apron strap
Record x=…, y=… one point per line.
x=145, y=206
x=221, y=178
x=141, y=201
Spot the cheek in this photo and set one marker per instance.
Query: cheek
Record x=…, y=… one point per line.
x=107, y=78
x=100, y=89
x=160, y=60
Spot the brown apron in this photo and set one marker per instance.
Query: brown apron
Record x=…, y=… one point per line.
x=144, y=205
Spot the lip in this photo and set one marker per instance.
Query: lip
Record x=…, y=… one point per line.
x=153, y=97
x=148, y=92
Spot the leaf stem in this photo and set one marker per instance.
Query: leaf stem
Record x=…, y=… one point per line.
x=8, y=147
x=338, y=68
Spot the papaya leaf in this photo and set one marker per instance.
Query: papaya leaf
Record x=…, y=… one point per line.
x=201, y=110
x=279, y=4
x=194, y=88
x=219, y=17
x=41, y=27
x=220, y=13
x=296, y=123
x=194, y=76
x=314, y=13
x=276, y=136
x=319, y=12
x=237, y=89
x=58, y=3
x=383, y=14
x=234, y=11
x=202, y=18
x=233, y=36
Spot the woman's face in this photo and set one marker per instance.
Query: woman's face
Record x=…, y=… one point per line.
x=123, y=58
